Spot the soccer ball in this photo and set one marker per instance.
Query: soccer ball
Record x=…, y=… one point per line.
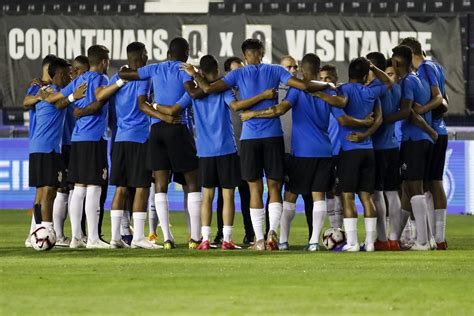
x=333, y=237
x=43, y=238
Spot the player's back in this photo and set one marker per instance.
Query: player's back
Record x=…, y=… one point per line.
x=384, y=137
x=32, y=91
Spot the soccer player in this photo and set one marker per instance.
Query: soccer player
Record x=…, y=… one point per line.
x=328, y=73
x=290, y=64
x=262, y=147
x=45, y=144
x=416, y=143
x=386, y=151
x=434, y=74
x=171, y=146
x=309, y=166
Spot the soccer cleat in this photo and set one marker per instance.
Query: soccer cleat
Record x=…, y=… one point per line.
x=312, y=247
x=351, y=248
x=115, y=244
x=192, y=244
x=272, y=241
x=283, y=246
x=28, y=242
x=98, y=244
x=367, y=247
x=218, y=239
x=432, y=243
x=144, y=244
x=442, y=245
x=152, y=237
x=204, y=245
x=77, y=243
x=259, y=245
x=229, y=245
x=63, y=242
x=168, y=245
x=127, y=239
x=417, y=247
x=248, y=240
x=394, y=245
x=382, y=245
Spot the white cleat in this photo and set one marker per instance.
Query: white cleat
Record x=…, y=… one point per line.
x=417, y=247
x=433, y=244
x=115, y=244
x=98, y=244
x=369, y=247
x=28, y=242
x=145, y=244
x=351, y=248
x=63, y=242
x=77, y=243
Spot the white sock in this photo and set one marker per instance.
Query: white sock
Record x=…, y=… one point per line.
x=206, y=233
x=350, y=226
x=404, y=217
x=379, y=202
x=319, y=212
x=33, y=224
x=430, y=214
x=331, y=204
x=161, y=204
x=194, y=208
x=92, y=212
x=125, y=224
x=395, y=213
x=152, y=217
x=370, y=230
x=440, y=220
x=116, y=219
x=59, y=213
x=139, y=225
x=274, y=213
x=227, y=232
x=420, y=211
x=186, y=213
x=257, y=216
x=289, y=211
x=75, y=210
x=47, y=224
x=338, y=213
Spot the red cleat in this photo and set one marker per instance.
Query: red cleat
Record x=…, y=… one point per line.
x=394, y=245
x=229, y=245
x=382, y=245
x=442, y=245
x=204, y=245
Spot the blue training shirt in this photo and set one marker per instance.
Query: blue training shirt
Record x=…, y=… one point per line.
x=333, y=130
x=432, y=67
x=168, y=83
x=90, y=127
x=310, y=116
x=214, y=131
x=384, y=137
x=132, y=124
x=33, y=91
x=48, y=130
x=413, y=89
x=252, y=80
x=69, y=122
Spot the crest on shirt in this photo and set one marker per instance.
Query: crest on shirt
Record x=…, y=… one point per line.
x=104, y=173
x=60, y=176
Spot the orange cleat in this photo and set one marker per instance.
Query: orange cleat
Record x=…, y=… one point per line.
x=442, y=245
x=382, y=245
x=204, y=245
x=394, y=245
x=229, y=245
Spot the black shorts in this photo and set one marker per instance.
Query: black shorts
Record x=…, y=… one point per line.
x=171, y=147
x=262, y=154
x=437, y=159
x=45, y=170
x=357, y=171
x=387, y=169
x=309, y=174
x=128, y=167
x=88, y=163
x=220, y=171
x=414, y=159
x=334, y=177
x=65, y=154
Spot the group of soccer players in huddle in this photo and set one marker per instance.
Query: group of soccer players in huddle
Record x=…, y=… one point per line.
x=381, y=136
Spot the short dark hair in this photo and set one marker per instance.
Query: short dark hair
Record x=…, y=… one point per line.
x=56, y=64
x=313, y=61
x=48, y=59
x=83, y=60
x=414, y=44
x=358, y=68
x=389, y=62
x=404, y=52
x=179, y=48
x=329, y=68
x=208, y=64
x=378, y=59
x=229, y=61
x=252, y=44
x=135, y=48
x=97, y=53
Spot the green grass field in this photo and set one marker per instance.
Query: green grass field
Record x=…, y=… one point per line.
x=182, y=281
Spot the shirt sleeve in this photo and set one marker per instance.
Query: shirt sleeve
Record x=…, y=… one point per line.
x=144, y=88
x=408, y=92
x=185, y=77
x=337, y=112
x=292, y=96
x=185, y=101
x=229, y=97
x=378, y=89
x=114, y=79
x=231, y=78
x=431, y=75
x=33, y=90
x=147, y=71
x=283, y=74
x=67, y=90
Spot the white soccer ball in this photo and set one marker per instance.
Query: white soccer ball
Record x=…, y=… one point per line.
x=333, y=237
x=43, y=238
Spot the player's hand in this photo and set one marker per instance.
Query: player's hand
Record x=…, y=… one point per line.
x=356, y=137
x=77, y=113
x=189, y=69
x=36, y=82
x=317, y=94
x=434, y=135
x=418, y=108
x=246, y=115
x=43, y=94
x=369, y=120
x=123, y=68
x=270, y=94
x=332, y=86
x=80, y=91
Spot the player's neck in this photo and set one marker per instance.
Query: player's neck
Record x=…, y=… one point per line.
x=370, y=77
x=96, y=69
x=417, y=60
x=310, y=77
x=356, y=81
x=212, y=77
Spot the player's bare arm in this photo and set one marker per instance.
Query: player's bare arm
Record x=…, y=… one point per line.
x=435, y=102
x=104, y=93
x=270, y=112
x=240, y=105
x=420, y=122
x=377, y=121
x=381, y=75
x=79, y=93
x=172, y=110
x=350, y=121
x=403, y=113
x=208, y=88
x=337, y=101
x=193, y=90
x=90, y=109
x=309, y=85
x=148, y=109
x=128, y=74
x=55, y=97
